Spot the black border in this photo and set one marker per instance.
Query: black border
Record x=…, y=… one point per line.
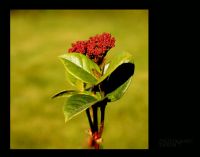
x=166, y=130
x=5, y=80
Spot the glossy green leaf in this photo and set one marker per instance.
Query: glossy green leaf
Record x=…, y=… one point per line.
x=74, y=81
x=81, y=67
x=118, y=72
x=118, y=77
x=68, y=93
x=113, y=62
x=76, y=104
x=65, y=93
x=119, y=92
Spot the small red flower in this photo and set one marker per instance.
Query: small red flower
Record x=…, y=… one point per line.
x=95, y=48
x=79, y=46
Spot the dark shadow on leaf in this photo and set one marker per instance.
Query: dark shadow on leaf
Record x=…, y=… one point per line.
x=118, y=77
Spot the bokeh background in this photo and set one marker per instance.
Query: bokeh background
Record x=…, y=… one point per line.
x=38, y=37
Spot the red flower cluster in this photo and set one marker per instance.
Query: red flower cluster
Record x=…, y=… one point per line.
x=95, y=48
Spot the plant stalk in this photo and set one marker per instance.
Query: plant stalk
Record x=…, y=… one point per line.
x=89, y=120
x=102, y=108
x=96, y=132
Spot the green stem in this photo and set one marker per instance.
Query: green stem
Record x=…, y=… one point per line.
x=95, y=118
x=98, y=134
x=89, y=119
x=102, y=108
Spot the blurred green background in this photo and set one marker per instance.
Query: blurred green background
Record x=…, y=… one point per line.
x=38, y=37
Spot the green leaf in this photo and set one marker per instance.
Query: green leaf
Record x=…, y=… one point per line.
x=118, y=77
x=117, y=71
x=74, y=81
x=76, y=104
x=68, y=93
x=65, y=93
x=119, y=92
x=80, y=66
x=113, y=62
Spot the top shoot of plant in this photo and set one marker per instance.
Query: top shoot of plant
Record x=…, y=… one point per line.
x=98, y=79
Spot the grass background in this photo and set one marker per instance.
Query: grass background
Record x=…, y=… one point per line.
x=37, y=38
